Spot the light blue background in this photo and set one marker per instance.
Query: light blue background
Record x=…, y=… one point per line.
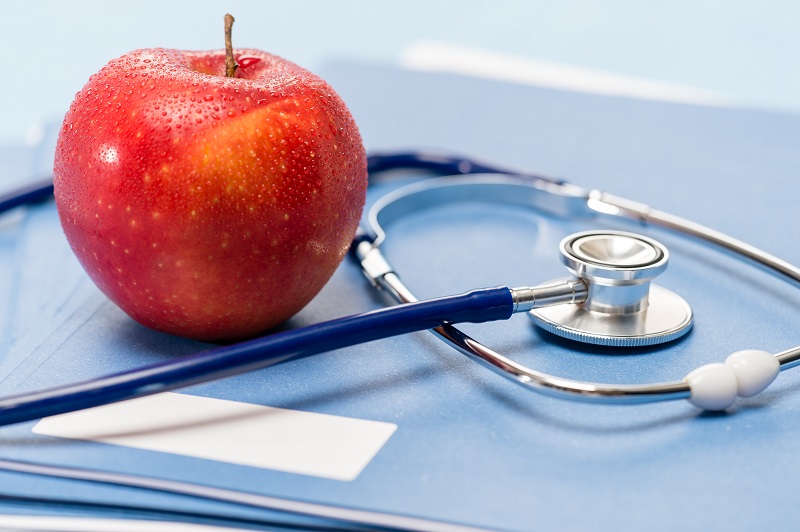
x=749, y=49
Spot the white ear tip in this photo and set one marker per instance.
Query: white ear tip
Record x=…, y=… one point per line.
x=713, y=386
x=754, y=370
x=744, y=373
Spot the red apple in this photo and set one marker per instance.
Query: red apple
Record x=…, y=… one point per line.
x=203, y=205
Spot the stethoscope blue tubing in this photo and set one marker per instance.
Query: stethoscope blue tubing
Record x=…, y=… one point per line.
x=477, y=306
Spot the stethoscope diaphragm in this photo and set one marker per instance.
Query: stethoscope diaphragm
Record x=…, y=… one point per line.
x=622, y=308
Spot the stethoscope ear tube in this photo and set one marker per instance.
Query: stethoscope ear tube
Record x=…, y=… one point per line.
x=477, y=306
x=31, y=193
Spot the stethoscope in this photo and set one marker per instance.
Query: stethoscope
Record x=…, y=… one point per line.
x=607, y=299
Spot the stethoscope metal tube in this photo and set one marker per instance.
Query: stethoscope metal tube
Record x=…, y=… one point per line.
x=609, y=204
x=541, y=382
x=562, y=199
x=615, y=206
x=528, y=377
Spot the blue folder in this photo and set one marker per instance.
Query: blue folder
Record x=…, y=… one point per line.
x=471, y=447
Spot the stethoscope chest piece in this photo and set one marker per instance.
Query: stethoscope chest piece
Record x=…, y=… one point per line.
x=622, y=307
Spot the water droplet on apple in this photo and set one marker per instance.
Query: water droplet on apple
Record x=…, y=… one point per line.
x=246, y=61
x=208, y=97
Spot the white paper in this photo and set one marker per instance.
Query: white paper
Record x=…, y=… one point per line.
x=307, y=443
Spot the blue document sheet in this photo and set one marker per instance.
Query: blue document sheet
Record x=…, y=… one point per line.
x=414, y=428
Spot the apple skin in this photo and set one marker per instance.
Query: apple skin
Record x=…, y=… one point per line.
x=209, y=207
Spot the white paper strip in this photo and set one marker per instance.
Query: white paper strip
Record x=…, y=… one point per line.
x=307, y=443
x=430, y=56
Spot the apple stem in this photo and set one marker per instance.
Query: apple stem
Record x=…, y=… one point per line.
x=230, y=62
